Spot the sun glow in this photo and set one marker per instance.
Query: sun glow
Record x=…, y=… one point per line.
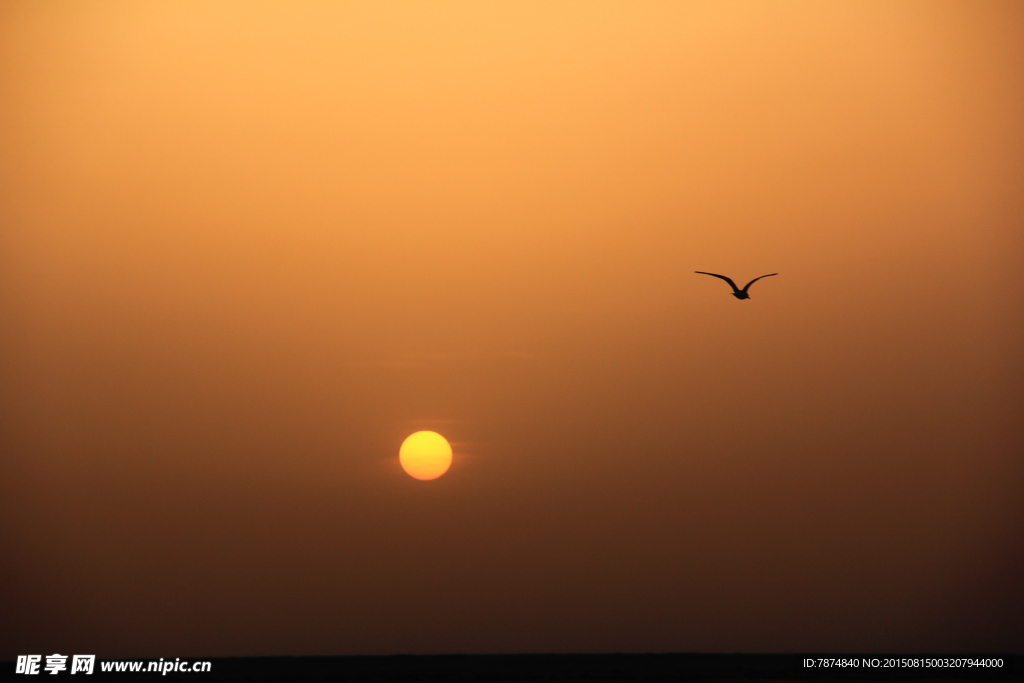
x=425, y=455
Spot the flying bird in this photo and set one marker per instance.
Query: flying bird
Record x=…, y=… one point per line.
x=736, y=291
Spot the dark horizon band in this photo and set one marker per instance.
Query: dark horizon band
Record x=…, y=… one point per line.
x=475, y=668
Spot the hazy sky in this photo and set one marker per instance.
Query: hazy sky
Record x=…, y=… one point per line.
x=246, y=248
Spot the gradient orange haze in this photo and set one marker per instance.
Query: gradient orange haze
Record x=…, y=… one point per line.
x=246, y=248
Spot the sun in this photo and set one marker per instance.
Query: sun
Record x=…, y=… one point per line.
x=425, y=455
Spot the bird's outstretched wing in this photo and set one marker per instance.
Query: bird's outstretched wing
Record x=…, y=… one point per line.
x=722, y=277
x=756, y=279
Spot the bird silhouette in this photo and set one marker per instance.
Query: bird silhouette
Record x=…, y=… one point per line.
x=736, y=291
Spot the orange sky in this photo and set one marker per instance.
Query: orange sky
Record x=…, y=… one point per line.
x=248, y=247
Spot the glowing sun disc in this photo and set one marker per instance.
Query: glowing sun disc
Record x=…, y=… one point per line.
x=425, y=455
